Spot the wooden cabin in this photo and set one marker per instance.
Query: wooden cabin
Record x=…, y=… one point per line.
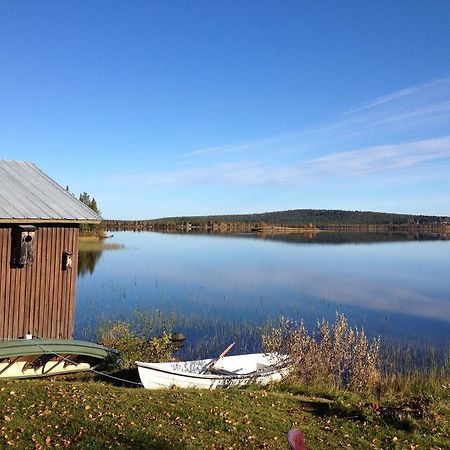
x=39, y=227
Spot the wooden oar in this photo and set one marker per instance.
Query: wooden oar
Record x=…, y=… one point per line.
x=214, y=361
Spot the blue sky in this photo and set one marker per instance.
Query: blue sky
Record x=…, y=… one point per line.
x=165, y=108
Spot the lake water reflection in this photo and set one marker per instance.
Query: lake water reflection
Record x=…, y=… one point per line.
x=219, y=284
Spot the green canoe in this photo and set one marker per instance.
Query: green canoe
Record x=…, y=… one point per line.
x=27, y=358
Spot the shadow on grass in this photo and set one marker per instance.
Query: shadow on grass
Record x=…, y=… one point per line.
x=121, y=378
x=326, y=408
x=128, y=378
x=402, y=415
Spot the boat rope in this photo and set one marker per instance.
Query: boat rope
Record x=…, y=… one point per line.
x=107, y=375
x=103, y=374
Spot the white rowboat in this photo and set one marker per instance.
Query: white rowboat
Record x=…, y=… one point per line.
x=229, y=371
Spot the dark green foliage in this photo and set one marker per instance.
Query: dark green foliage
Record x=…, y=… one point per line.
x=93, y=206
x=133, y=347
x=138, y=340
x=303, y=217
x=91, y=229
x=318, y=216
x=86, y=199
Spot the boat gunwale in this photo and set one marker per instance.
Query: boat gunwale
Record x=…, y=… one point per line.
x=27, y=347
x=264, y=372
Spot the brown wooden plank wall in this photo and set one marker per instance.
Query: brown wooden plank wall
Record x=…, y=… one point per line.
x=39, y=298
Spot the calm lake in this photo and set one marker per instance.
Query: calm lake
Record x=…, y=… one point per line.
x=221, y=288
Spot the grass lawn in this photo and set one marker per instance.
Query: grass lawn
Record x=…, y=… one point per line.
x=82, y=412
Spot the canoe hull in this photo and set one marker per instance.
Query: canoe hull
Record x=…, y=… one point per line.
x=240, y=370
x=31, y=358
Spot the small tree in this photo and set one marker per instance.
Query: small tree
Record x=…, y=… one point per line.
x=93, y=205
x=88, y=229
x=85, y=198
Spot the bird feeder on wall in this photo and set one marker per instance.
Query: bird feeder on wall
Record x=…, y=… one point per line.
x=67, y=260
x=22, y=251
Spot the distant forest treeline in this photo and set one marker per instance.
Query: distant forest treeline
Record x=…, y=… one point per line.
x=318, y=217
x=306, y=220
x=306, y=216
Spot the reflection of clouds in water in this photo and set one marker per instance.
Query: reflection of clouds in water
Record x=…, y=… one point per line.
x=386, y=298
x=246, y=277
x=383, y=295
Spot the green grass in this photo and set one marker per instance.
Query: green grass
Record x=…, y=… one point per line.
x=83, y=412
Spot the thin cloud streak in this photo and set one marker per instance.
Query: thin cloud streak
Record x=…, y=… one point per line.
x=400, y=94
x=380, y=159
x=227, y=148
x=399, y=139
x=411, y=109
x=371, y=161
x=347, y=164
x=409, y=118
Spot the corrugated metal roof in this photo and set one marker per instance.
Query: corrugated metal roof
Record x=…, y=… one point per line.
x=28, y=193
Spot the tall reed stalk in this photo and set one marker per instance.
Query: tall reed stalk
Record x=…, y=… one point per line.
x=338, y=355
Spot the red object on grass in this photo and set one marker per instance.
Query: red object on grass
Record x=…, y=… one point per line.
x=296, y=440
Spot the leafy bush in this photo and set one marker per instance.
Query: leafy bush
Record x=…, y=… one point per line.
x=136, y=347
x=339, y=355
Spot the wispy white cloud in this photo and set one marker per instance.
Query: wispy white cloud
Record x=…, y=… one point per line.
x=228, y=148
x=412, y=110
x=397, y=120
x=362, y=162
x=398, y=134
x=408, y=92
